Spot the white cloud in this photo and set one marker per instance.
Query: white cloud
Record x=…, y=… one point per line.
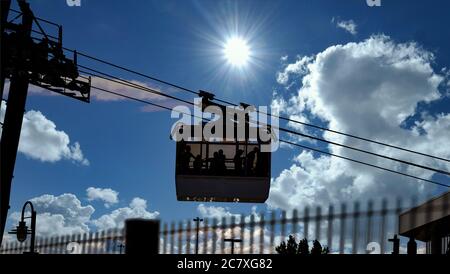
x=136, y=209
x=216, y=212
x=367, y=89
x=64, y=214
x=41, y=140
x=59, y=215
x=106, y=195
x=347, y=25
x=299, y=67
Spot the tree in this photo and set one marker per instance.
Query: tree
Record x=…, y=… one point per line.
x=292, y=247
x=303, y=247
x=289, y=248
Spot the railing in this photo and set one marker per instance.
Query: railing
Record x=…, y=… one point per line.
x=343, y=229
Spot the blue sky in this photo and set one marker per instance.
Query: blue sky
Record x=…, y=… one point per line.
x=129, y=149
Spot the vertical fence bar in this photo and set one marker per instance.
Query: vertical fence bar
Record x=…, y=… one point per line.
x=214, y=236
x=172, y=238
x=318, y=220
x=180, y=237
x=398, y=210
x=96, y=241
x=342, y=233
x=261, y=233
x=223, y=227
x=294, y=223
x=272, y=231
x=47, y=245
x=78, y=240
x=283, y=225
x=205, y=235
x=330, y=228
x=84, y=239
x=369, y=224
x=102, y=242
x=242, y=231
x=188, y=236
x=110, y=241
x=306, y=223
x=252, y=233
x=115, y=240
x=232, y=224
x=383, y=226
x=355, y=228
x=164, y=233
x=89, y=242
x=52, y=243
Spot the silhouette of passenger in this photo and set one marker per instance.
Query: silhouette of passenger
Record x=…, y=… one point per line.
x=198, y=164
x=221, y=162
x=251, y=156
x=262, y=161
x=238, y=162
x=214, y=163
x=185, y=159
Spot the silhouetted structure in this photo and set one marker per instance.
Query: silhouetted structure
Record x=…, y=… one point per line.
x=22, y=230
x=352, y=229
x=141, y=236
x=395, y=244
x=428, y=222
x=26, y=61
x=197, y=228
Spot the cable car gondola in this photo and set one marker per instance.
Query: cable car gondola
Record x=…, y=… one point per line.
x=221, y=171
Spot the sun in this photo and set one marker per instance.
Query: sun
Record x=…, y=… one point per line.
x=237, y=52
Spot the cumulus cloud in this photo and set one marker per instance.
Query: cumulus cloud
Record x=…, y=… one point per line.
x=106, y=195
x=216, y=212
x=136, y=209
x=368, y=89
x=65, y=214
x=347, y=25
x=41, y=140
x=59, y=215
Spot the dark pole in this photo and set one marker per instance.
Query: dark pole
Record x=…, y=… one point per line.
x=396, y=244
x=33, y=231
x=197, y=220
x=14, y=115
x=5, y=4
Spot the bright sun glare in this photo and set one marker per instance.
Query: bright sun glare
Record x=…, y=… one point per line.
x=237, y=51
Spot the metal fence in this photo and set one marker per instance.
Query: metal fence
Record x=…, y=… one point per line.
x=352, y=229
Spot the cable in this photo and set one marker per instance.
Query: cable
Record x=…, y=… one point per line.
x=137, y=86
x=280, y=117
x=364, y=163
x=364, y=151
x=276, y=116
x=284, y=141
x=131, y=84
x=133, y=71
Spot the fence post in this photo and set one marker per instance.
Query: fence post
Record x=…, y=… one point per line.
x=141, y=236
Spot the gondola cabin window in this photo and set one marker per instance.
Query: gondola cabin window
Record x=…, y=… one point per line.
x=227, y=171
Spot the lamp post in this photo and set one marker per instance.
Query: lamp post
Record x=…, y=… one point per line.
x=197, y=220
x=22, y=229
